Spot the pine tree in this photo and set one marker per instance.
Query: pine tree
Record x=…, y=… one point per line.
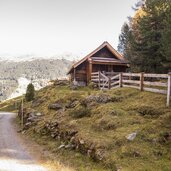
x=124, y=40
x=144, y=46
x=30, y=92
x=166, y=38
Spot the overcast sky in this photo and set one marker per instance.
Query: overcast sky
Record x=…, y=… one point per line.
x=52, y=27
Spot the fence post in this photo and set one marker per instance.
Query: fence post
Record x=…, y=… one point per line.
x=141, y=81
x=99, y=79
x=120, y=79
x=169, y=89
x=109, y=82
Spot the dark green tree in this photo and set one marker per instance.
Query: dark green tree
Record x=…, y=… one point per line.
x=166, y=38
x=123, y=46
x=144, y=47
x=30, y=92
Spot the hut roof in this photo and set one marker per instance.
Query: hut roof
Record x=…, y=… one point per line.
x=119, y=57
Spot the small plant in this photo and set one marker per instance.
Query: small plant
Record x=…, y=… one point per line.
x=92, y=85
x=148, y=110
x=30, y=92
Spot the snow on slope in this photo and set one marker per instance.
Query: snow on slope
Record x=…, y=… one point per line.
x=22, y=86
x=23, y=83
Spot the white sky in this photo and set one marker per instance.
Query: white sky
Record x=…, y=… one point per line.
x=53, y=27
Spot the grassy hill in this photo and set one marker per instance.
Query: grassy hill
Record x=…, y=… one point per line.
x=88, y=129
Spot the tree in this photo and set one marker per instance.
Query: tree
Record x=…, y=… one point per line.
x=144, y=47
x=124, y=40
x=30, y=92
x=166, y=37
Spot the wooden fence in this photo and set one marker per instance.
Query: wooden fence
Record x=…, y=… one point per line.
x=158, y=83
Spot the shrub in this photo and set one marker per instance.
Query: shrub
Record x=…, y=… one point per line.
x=92, y=85
x=80, y=112
x=30, y=92
x=116, y=98
x=148, y=110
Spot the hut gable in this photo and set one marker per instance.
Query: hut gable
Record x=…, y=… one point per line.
x=104, y=52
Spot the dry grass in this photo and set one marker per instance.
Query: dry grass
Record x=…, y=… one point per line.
x=108, y=125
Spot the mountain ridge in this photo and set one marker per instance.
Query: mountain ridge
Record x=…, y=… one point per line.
x=36, y=70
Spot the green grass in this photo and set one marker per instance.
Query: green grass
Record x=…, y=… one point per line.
x=106, y=125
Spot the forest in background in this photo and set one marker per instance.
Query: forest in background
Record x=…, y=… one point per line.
x=145, y=40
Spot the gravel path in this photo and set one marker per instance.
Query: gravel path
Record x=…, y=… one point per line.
x=13, y=155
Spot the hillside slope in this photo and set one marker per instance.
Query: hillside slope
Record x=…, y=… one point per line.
x=39, y=70
x=93, y=130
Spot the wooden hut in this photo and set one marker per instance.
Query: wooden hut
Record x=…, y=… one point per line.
x=104, y=59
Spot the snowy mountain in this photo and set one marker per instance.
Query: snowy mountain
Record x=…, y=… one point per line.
x=15, y=75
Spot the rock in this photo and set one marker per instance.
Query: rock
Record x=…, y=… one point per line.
x=99, y=154
x=39, y=114
x=71, y=104
x=131, y=136
x=101, y=98
x=61, y=146
x=28, y=124
x=136, y=154
x=72, y=132
x=37, y=102
x=23, y=132
x=81, y=141
x=69, y=146
x=55, y=106
x=32, y=119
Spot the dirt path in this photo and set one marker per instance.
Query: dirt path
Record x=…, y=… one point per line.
x=13, y=154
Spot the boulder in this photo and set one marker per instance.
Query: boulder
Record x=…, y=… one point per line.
x=131, y=136
x=37, y=102
x=101, y=98
x=72, y=104
x=55, y=106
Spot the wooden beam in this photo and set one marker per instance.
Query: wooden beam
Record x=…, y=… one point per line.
x=89, y=71
x=110, y=63
x=155, y=90
x=141, y=81
x=169, y=89
x=120, y=80
x=74, y=74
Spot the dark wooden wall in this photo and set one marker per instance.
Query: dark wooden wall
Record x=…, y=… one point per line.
x=104, y=52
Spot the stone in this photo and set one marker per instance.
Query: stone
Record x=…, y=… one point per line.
x=37, y=102
x=39, y=114
x=55, y=106
x=136, y=154
x=71, y=104
x=99, y=154
x=61, y=146
x=101, y=98
x=131, y=136
x=31, y=119
x=81, y=141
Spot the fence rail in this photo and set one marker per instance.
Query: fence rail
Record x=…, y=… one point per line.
x=157, y=83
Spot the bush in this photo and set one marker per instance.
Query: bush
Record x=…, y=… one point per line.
x=80, y=112
x=92, y=85
x=30, y=92
x=148, y=110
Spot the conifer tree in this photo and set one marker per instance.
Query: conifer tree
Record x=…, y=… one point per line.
x=30, y=92
x=144, y=47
